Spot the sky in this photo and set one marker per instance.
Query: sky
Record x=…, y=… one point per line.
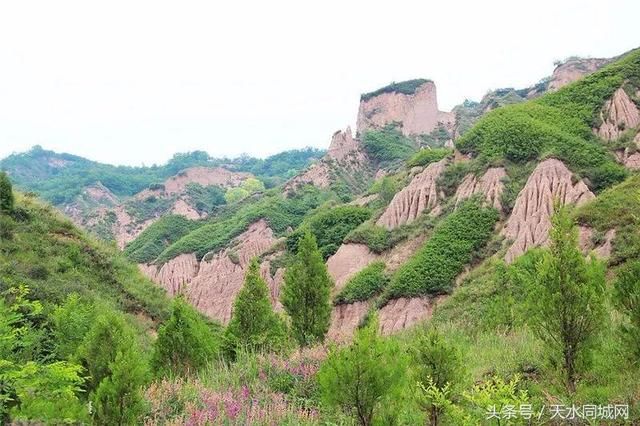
x=133, y=82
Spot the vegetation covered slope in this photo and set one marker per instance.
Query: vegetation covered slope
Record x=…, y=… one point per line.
x=60, y=178
x=558, y=124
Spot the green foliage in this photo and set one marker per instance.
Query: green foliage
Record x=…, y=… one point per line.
x=496, y=394
x=387, y=145
x=118, y=399
x=252, y=185
x=279, y=211
x=306, y=293
x=185, y=344
x=427, y=156
x=47, y=245
x=157, y=237
x=566, y=299
x=205, y=199
x=408, y=87
x=433, y=269
x=330, y=226
x=364, y=285
x=45, y=393
x=71, y=322
x=360, y=378
x=377, y=238
x=627, y=300
x=254, y=325
x=6, y=194
x=60, y=178
x=557, y=124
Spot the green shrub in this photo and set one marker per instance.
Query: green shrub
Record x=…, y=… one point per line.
x=185, y=344
x=157, y=237
x=377, y=238
x=6, y=194
x=427, y=156
x=408, y=87
x=387, y=145
x=330, y=227
x=364, y=285
x=205, y=198
x=557, y=124
x=627, y=300
x=433, y=269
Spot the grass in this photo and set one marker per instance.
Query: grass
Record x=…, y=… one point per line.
x=157, y=237
x=408, y=87
x=366, y=284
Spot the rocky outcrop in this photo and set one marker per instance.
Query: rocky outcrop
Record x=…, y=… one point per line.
x=630, y=156
x=345, y=153
x=415, y=113
x=587, y=245
x=420, y=195
x=574, y=69
x=618, y=114
x=345, y=319
x=348, y=261
x=490, y=185
x=205, y=176
x=183, y=208
x=175, y=275
x=529, y=223
x=402, y=313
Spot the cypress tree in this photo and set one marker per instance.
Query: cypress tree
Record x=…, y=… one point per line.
x=6, y=194
x=254, y=325
x=306, y=293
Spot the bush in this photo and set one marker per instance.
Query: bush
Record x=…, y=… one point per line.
x=387, y=145
x=330, y=227
x=364, y=285
x=377, y=238
x=6, y=194
x=427, y=156
x=185, y=344
x=358, y=379
x=627, y=300
x=433, y=269
x=157, y=237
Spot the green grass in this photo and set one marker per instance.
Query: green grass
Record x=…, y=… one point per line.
x=157, y=237
x=330, y=226
x=408, y=87
x=364, y=285
x=44, y=251
x=280, y=212
x=388, y=146
x=433, y=269
x=557, y=125
x=427, y=156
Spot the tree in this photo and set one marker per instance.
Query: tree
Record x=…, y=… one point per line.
x=71, y=322
x=437, y=369
x=185, y=343
x=627, y=300
x=6, y=194
x=252, y=185
x=359, y=378
x=118, y=399
x=306, y=293
x=566, y=299
x=233, y=195
x=254, y=325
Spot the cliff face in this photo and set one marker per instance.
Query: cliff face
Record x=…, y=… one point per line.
x=574, y=69
x=618, y=114
x=212, y=284
x=345, y=154
x=416, y=113
x=529, y=223
x=420, y=195
x=490, y=185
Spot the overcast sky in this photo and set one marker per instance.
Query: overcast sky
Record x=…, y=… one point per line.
x=132, y=82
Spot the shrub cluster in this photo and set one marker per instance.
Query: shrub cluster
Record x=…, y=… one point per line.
x=364, y=285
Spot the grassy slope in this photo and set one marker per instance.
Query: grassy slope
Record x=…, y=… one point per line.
x=46, y=252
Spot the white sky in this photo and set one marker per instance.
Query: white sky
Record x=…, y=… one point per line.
x=132, y=82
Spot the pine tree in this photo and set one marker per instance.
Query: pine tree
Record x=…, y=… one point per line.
x=254, y=325
x=6, y=194
x=306, y=293
x=185, y=343
x=566, y=299
x=118, y=399
x=359, y=378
